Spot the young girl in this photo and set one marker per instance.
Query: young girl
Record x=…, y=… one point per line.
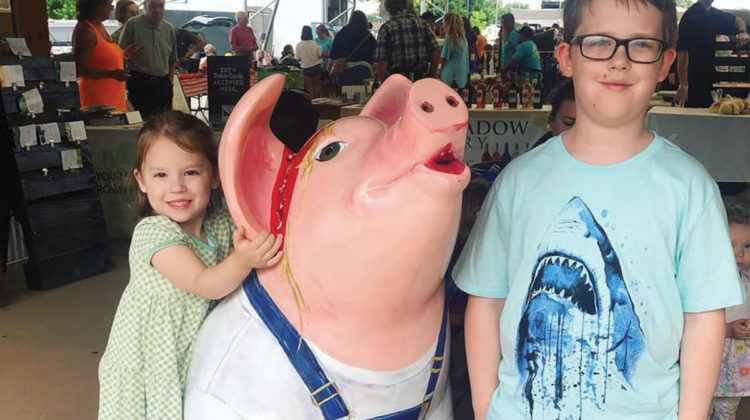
x=455, y=53
x=180, y=258
x=734, y=379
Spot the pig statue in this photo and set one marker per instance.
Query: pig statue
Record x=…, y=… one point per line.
x=352, y=323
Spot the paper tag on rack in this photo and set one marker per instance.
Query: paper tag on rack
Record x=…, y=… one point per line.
x=76, y=130
x=71, y=159
x=67, y=71
x=30, y=102
x=133, y=117
x=18, y=46
x=26, y=135
x=51, y=133
x=11, y=75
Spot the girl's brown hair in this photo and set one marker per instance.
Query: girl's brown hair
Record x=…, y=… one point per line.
x=454, y=29
x=186, y=131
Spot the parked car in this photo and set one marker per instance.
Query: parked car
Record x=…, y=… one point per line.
x=61, y=34
x=214, y=29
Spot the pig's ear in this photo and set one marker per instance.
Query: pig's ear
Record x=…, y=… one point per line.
x=250, y=156
x=389, y=101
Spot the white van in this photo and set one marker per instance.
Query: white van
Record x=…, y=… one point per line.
x=61, y=34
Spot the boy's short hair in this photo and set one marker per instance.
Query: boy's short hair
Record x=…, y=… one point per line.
x=574, y=9
x=737, y=211
x=526, y=32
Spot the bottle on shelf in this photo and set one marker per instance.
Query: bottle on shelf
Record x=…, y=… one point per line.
x=466, y=94
x=516, y=152
x=505, y=158
x=536, y=93
x=526, y=93
x=497, y=94
x=486, y=157
x=496, y=156
x=512, y=97
x=481, y=92
x=492, y=63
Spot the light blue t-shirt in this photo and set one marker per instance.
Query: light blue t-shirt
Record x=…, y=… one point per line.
x=456, y=63
x=597, y=265
x=527, y=56
x=325, y=45
x=509, y=48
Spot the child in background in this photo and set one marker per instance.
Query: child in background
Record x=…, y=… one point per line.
x=180, y=259
x=455, y=53
x=600, y=265
x=287, y=57
x=734, y=379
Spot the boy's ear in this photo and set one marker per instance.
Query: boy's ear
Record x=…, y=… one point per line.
x=139, y=178
x=564, y=59
x=667, y=59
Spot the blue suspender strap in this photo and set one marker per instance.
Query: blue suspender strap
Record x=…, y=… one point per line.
x=420, y=411
x=323, y=393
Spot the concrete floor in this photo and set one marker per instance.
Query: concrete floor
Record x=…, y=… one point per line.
x=51, y=342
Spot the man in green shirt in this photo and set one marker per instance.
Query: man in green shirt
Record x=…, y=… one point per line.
x=151, y=69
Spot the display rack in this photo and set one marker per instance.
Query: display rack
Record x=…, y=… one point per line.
x=736, y=80
x=49, y=187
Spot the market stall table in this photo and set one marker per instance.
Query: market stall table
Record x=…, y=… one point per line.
x=720, y=142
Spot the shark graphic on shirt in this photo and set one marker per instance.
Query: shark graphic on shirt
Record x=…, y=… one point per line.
x=578, y=333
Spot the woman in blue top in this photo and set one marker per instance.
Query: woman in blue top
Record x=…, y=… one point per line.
x=455, y=54
x=509, y=38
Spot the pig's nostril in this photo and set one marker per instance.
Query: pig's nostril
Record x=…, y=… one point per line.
x=427, y=107
x=452, y=101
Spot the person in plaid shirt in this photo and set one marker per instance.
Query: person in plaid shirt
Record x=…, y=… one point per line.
x=406, y=45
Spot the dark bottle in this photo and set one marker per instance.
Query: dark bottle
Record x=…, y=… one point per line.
x=512, y=97
x=505, y=158
x=496, y=155
x=536, y=93
x=465, y=93
x=486, y=155
x=454, y=86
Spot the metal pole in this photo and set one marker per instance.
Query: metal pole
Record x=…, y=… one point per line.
x=270, y=26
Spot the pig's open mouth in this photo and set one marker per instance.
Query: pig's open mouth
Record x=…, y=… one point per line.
x=445, y=161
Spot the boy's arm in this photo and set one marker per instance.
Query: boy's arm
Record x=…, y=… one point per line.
x=700, y=360
x=482, y=329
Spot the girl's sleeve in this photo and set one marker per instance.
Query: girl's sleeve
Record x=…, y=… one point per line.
x=154, y=233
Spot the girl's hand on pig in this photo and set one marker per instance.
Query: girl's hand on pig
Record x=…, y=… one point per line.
x=260, y=252
x=739, y=330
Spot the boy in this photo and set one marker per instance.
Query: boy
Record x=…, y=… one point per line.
x=595, y=246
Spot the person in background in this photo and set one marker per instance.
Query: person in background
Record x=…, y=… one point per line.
x=287, y=57
x=308, y=52
x=152, y=68
x=325, y=40
x=455, y=52
x=563, y=114
x=471, y=39
x=100, y=62
x=525, y=61
x=508, y=38
x=481, y=45
x=124, y=10
x=695, y=45
x=210, y=51
x=241, y=37
x=429, y=17
x=406, y=45
x=355, y=43
x=186, y=39
x=734, y=380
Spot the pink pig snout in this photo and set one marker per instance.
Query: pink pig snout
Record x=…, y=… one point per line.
x=434, y=106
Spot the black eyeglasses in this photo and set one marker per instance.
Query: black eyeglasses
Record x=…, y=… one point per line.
x=603, y=47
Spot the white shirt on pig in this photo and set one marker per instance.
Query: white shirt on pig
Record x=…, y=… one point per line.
x=239, y=371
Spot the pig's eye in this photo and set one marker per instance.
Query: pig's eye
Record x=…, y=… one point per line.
x=330, y=151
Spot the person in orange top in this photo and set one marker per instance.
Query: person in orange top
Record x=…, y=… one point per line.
x=481, y=44
x=100, y=62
